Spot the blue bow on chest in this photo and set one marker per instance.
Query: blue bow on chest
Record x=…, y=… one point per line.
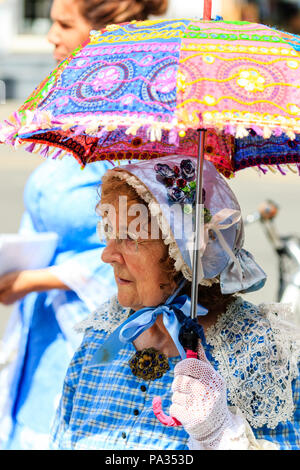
x=175, y=314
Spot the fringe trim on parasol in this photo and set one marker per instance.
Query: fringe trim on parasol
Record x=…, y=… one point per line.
x=55, y=152
x=25, y=122
x=283, y=169
x=237, y=124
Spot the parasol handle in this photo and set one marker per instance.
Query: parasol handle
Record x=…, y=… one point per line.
x=157, y=406
x=161, y=416
x=207, y=10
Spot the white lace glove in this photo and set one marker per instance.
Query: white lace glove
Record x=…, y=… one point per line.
x=199, y=402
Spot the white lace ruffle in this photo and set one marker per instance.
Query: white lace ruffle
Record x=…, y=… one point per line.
x=284, y=325
x=239, y=436
x=257, y=358
x=155, y=211
x=248, y=436
x=107, y=317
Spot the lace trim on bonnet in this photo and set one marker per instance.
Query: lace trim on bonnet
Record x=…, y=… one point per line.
x=155, y=211
x=257, y=350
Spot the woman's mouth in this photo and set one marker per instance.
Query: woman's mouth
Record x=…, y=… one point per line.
x=59, y=57
x=122, y=281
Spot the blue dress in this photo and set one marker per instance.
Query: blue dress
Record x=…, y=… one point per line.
x=105, y=406
x=61, y=198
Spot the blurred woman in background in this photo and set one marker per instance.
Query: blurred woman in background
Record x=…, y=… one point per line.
x=60, y=198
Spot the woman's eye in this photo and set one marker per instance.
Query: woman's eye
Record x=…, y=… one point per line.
x=130, y=243
x=131, y=237
x=108, y=230
x=65, y=26
x=101, y=231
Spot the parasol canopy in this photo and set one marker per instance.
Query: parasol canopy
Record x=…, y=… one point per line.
x=141, y=90
x=226, y=91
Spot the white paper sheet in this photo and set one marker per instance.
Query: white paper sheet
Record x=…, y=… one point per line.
x=19, y=252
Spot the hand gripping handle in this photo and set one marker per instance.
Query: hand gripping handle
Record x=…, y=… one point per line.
x=157, y=406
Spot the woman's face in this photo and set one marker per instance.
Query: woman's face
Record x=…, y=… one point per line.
x=140, y=279
x=69, y=28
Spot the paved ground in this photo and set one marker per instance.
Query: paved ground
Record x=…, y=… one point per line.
x=251, y=189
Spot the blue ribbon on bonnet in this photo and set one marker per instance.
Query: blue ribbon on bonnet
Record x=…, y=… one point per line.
x=175, y=313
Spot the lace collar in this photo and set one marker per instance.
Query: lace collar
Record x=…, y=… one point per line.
x=255, y=352
x=106, y=318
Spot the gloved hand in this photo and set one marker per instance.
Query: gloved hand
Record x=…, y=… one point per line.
x=199, y=402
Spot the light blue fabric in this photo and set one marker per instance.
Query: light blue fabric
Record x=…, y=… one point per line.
x=106, y=407
x=141, y=321
x=254, y=277
x=59, y=197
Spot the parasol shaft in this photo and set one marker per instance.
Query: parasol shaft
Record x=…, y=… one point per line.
x=207, y=10
x=198, y=222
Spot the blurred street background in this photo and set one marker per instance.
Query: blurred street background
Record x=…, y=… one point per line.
x=26, y=59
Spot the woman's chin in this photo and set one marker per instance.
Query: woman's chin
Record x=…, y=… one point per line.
x=125, y=300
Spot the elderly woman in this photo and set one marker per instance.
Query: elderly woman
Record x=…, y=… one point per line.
x=240, y=390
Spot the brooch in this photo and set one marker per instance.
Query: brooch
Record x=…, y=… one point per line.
x=149, y=364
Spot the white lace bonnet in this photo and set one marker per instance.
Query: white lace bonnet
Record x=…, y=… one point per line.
x=168, y=181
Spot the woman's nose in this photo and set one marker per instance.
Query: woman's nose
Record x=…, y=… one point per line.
x=53, y=35
x=112, y=254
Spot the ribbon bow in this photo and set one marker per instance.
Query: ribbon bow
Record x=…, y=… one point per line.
x=216, y=225
x=141, y=321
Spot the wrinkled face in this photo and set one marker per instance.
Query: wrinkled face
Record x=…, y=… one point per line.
x=69, y=28
x=140, y=277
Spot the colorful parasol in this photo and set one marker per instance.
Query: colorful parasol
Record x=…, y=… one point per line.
x=141, y=90
x=225, y=91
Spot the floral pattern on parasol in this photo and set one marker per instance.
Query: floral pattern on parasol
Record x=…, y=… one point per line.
x=142, y=89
